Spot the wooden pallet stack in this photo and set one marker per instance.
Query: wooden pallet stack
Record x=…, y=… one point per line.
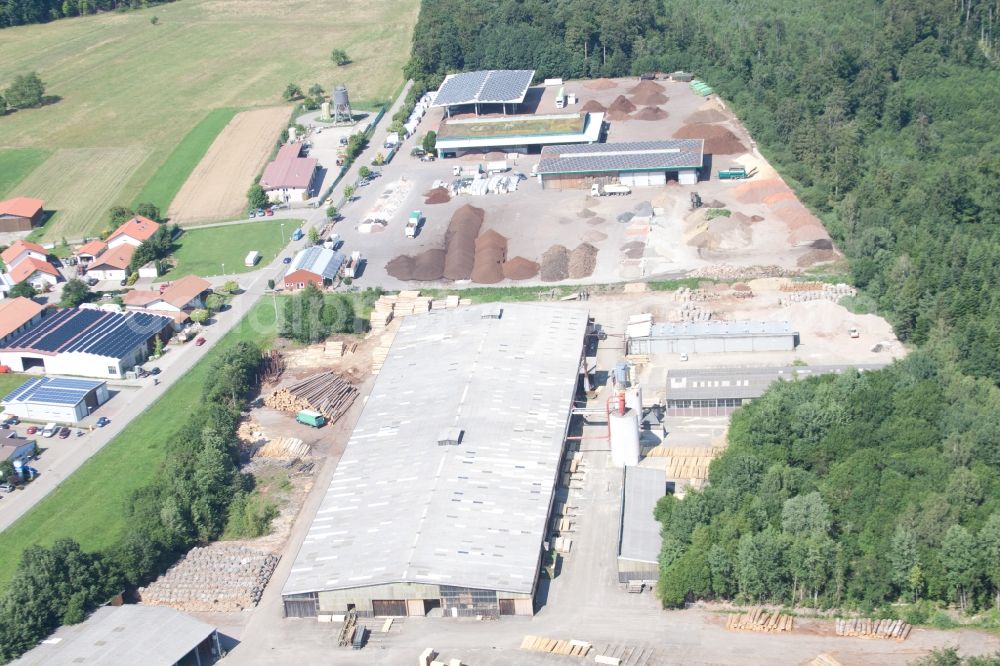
x=569, y=648
x=327, y=393
x=868, y=628
x=758, y=619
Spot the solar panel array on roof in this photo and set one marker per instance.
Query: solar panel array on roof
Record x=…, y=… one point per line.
x=488, y=86
x=88, y=331
x=635, y=156
x=53, y=390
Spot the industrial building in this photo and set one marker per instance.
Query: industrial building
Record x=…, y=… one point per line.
x=505, y=88
x=130, y=634
x=636, y=164
x=17, y=314
x=85, y=342
x=57, y=399
x=714, y=337
x=20, y=214
x=289, y=177
x=638, y=531
x=440, y=502
x=721, y=391
x=314, y=265
x=517, y=134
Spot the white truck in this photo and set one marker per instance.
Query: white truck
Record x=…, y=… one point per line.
x=413, y=223
x=252, y=258
x=332, y=242
x=612, y=189
x=499, y=166
x=351, y=265
x=467, y=171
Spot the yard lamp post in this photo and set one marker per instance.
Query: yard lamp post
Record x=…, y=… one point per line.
x=223, y=270
x=282, y=234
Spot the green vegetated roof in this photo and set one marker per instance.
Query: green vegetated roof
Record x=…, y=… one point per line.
x=511, y=126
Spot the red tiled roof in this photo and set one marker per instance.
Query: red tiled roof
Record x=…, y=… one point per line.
x=93, y=248
x=15, y=313
x=183, y=290
x=118, y=257
x=21, y=206
x=19, y=246
x=140, y=298
x=139, y=227
x=288, y=170
x=27, y=267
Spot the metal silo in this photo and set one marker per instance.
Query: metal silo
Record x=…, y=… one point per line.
x=341, y=105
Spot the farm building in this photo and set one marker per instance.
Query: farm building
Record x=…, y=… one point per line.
x=441, y=499
x=56, y=399
x=113, y=264
x=517, y=134
x=638, y=530
x=503, y=88
x=84, y=342
x=20, y=214
x=714, y=337
x=313, y=265
x=129, y=634
x=17, y=314
x=90, y=250
x=289, y=177
x=134, y=232
x=636, y=164
x=721, y=391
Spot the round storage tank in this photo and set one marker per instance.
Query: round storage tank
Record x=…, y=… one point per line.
x=625, y=438
x=291, y=134
x=340, y=96
x=633, y=398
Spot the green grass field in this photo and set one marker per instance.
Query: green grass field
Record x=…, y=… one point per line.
x=89, y=505
x=166, y=182
x=204, y=251
x=15, y=164
x=133, y=89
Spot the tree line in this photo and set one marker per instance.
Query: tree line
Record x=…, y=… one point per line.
x=25, y=12
x=197, y=494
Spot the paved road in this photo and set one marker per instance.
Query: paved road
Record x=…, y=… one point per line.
x=254, y=286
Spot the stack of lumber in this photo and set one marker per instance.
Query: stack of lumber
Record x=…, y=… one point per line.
x=334, y=348
x=568, y=648
x=788, y=285
x=283, y=448
x=824, y=660
x=868, y=628
x=272, y=364
x=380, y=353
x=758, y=619
x=381, y=316
x=685, y=462
x=406, y=303
x=327, y=393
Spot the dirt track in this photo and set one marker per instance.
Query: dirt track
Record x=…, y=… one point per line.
x=217, y=187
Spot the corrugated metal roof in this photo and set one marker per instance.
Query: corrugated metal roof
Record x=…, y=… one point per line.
x=319, y=260
x=401, y=507
x=634, y=156
x=715, y=328
x=746, y=383
x=639, y=538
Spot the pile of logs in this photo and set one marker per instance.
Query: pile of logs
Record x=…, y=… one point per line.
x=272, y=364
x=327, y=393
x=758, y=619
x=869, y=628
x=568, y=648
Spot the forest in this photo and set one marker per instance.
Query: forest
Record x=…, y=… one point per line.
x=854, y=491
x=25, y=12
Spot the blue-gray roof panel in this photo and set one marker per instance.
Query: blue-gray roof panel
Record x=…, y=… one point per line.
x=633, y=156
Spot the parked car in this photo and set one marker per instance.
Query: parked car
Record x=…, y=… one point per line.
x=154, y=370
x=6, y=487
x=199, y=342
x=103, y=421
x=92, y=281
x=427, y=158
x=269, y=212
x=286, y=260
x=32, y=430
x=253, y=213
x=13, y=419
x=122, y=283
x=64, y=433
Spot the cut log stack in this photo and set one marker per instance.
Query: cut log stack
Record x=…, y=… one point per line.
x=272, y=364
x=569, y=648
x=758, y=619
x=327, y=393
x=868, y=628
x=283, y=448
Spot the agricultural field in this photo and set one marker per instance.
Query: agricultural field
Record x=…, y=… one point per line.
x=89, y=505
x=15, y=164
x=204, y=251
x=129, y=87
x=217, y=187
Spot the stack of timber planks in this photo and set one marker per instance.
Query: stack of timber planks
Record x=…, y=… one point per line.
x=407, y=303
x=326, y=392
x=569, y=648
x=868, y=628
x=824, y=660
x=758, y=619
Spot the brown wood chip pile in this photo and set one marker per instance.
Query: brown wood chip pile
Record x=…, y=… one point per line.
x=622, y=104
x=600, y=84
x=618, y=116
x=582, y=261
x=651, y=113
x=649, y=99
x=647, y=87
x=428, y=265
x=555, y=264
x=718, y=139
x=488, y=266
x=490, y=239
x=520, y=268
x=706, y=116
x=593, y=106
x=460, y=242
x=438, y=195
x=400, y=268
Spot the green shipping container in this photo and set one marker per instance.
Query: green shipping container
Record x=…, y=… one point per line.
x=311, y=418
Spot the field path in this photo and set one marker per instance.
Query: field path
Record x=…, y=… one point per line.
x=217, y=187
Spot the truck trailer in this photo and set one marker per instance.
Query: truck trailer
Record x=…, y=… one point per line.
x=612, y=189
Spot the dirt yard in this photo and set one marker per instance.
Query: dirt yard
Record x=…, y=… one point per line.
x=217, y=187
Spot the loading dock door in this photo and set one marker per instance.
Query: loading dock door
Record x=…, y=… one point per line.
x=389, y=607
x=507, y=607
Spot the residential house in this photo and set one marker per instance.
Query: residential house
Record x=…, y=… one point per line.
x=134, y=232
x=90, y=250
x=39, y=274
x=289, y=177
x=113, y=263
x=20, y=250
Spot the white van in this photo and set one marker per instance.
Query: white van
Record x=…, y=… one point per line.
x=50, y=430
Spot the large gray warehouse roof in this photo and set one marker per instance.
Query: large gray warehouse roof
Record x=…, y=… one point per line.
x=639, y=537
x=403, y=508
x=484, y=87
x=746, y=383
x=146, y=635
x=637, y=156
